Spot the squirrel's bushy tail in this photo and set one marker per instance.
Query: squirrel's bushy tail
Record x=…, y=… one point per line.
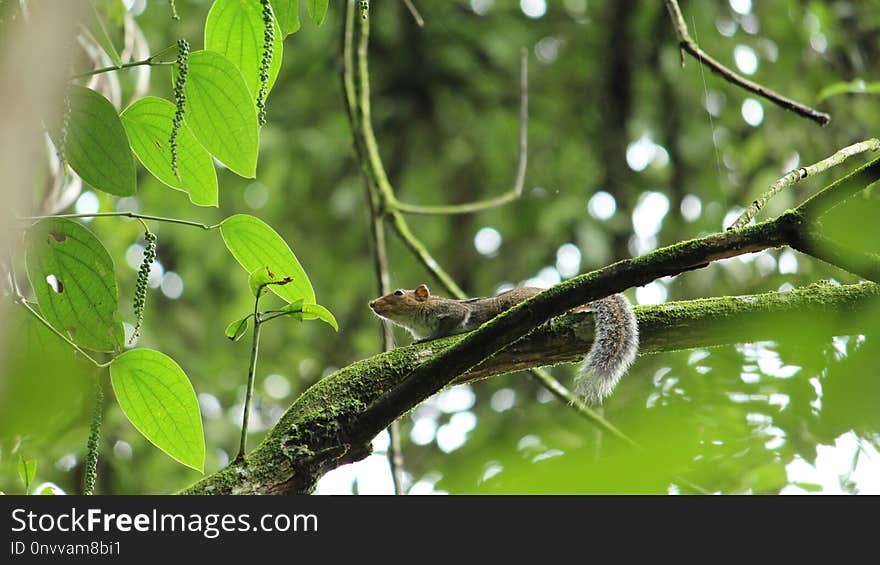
x=615, y=344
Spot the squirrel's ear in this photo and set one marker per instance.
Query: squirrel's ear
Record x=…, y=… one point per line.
x=422, y=292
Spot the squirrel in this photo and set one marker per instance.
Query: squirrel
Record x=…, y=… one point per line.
x=615, y=342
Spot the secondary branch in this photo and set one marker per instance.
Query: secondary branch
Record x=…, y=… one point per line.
x=688, y=45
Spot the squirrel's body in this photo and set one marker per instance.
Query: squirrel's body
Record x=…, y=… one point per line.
x=615, y=342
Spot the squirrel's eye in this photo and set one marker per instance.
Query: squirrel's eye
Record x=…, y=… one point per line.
x=398, y=293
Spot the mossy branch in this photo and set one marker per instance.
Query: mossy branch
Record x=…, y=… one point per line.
x=311, y=439
x=354, y=74
x=333, y=422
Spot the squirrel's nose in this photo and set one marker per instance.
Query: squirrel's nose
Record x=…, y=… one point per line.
x=372, y=304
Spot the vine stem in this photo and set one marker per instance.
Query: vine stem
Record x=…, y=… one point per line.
x=206, y=227
x=252, y=373
x=252, y=369
x=376, y=198
x=148, y=61
x=102, y=70
x=414, y=13
x=43, y=321
x=522, y=160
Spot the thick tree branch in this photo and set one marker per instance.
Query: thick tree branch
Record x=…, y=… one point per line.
x=335, y=420
x=788, y=229
x=515, y=323
x=309, y=440
x=354, y=72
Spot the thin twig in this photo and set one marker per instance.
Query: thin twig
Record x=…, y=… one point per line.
x=522, y=160
x=366, y=137
x=122, y=215
x=151, y=61
x=840, y=190
x=800, y=174
x=46, y=323
x=687, y=44
x=414, y=12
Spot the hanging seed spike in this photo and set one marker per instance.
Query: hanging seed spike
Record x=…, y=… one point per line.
x=266, y=60
x=179, y=100
x=91, y=473
x=65, y=127
x=140, y=292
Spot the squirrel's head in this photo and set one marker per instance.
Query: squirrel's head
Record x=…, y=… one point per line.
x=401, y=302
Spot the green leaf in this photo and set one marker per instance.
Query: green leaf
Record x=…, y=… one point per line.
x=96, y=27
x=317, y=10
x=318, y=312
x=254, y=244
x=294, y=307
x=857, y=86
x=50, y=489
x=767, y=478
x=148, y=124
x=221, y=113
x=39, y=408
x=73, y=279
x=159, y=400
x=235, y=29
x=261, y=278
x=27, y=470
x=809, y=487
x=287, y=15
x=97, y=147
x=236, y=330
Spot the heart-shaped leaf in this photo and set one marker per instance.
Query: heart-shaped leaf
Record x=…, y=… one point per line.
x=235, y=29
x=148, y=124
x=318, y=312
x=73, y=279
x=317, y=10
x=96, y=146
x=236, y=330
x=157, y=397
x=221, y=113
x=287, y=15
x=255, y=245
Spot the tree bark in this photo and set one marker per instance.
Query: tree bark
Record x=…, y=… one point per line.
x=313, y=436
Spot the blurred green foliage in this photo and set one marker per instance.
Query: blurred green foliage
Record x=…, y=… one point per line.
x=605, y=83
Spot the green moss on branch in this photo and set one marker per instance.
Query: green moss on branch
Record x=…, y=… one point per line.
x=310, y=439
